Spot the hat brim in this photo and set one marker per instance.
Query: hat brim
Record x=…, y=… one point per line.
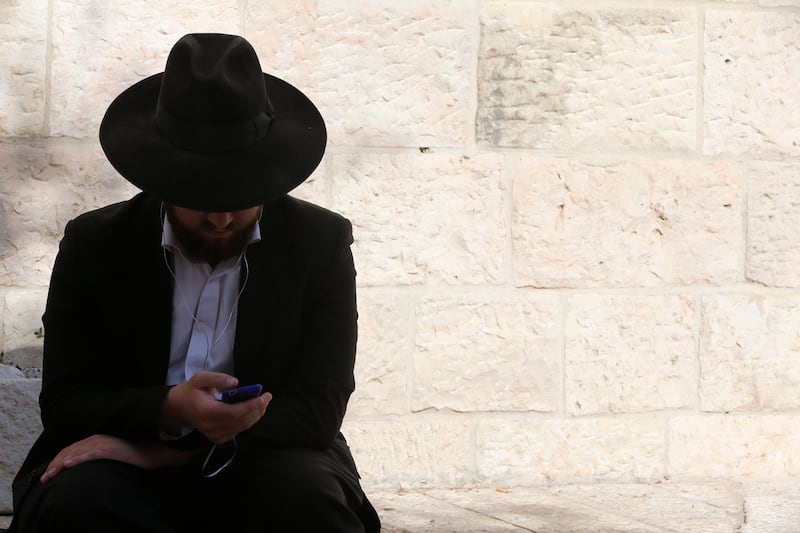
x=220, y=181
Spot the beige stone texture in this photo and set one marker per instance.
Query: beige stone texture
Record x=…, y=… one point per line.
x=587, y=78
x=2, y=318
x=23, y=27
x=630, y=353
x=577, y=237
x=708, y=507
x=773, y=224
x=43, y=187
x=746, y=447
x=424, y=218
x=384, y=353
x=515, y=450
x=22, y=317
x=488, y=352
x=414, y=451
x=625, y=223
x=606, y=508
x=746, y=344
x=383, y=73
x=772, y=507
x=407, y=511
x=19, y=427
x=100, y=48
x=768, y=3
x=751, y=85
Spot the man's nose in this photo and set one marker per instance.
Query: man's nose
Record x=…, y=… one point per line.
x=220, y=220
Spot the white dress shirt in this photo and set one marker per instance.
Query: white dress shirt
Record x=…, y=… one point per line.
x=204, y=309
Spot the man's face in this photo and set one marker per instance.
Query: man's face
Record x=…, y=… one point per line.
x=212, y=236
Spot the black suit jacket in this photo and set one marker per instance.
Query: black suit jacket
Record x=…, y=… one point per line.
x=107, y=331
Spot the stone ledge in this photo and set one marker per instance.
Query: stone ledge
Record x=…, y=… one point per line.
x=707, y=506
x=19, y=427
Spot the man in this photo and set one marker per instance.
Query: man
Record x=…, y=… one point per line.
x=210, y=278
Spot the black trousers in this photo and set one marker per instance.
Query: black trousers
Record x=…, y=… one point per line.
x=283, y=491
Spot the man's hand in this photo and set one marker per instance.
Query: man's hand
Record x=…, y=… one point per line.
x=193, y=404
x=117, y=449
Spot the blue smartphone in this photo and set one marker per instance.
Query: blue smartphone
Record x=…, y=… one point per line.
x=239, y=394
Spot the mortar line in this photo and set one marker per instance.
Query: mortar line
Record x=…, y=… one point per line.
x=472, y=142
x=745, y=188
x=2, y=323
x=700, y=106
x=697, y=328
x=444, y=288
x=563, y=298
x=667, y=472
x=48, y=72
x=473, y=445
x=411, y=333
x=509, y=169
x=752, y=5
x=243, y=17
x=597, y=157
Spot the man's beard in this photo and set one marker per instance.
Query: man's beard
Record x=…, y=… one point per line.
x=208, y=249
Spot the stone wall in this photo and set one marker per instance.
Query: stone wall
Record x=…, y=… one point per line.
x=577, y=223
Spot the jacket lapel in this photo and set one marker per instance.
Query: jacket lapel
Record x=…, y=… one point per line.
x=155, y=293
x=257, y=353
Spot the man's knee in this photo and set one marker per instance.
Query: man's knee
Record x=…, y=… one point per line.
x=301, y=490
x=92, y=496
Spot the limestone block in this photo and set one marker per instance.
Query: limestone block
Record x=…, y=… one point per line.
x=772, y=507
x=488, y=352
x=629, y=353
x=522, y=451
x=383, y=73
x=22, y=317
x=626, y=223
x=748, y=345
x=414, y=451
x=768, y=3
x=23, y=26
x=773, y=224
x=424, y=217
x=99, y=50
x=405, y=511
x=751, y=85
x=607, y=507
x=755, y=447
x=383, y=354
x=19, y=427
x=10, y=372
x=587, y=78
x=44, y=186
x=707, y=507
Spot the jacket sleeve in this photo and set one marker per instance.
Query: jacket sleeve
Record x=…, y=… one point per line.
x=309, y=405
x=89, y=384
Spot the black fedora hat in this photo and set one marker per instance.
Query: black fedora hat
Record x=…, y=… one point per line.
x=213, y=132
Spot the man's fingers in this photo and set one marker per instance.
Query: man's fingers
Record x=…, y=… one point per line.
x=212, y=380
